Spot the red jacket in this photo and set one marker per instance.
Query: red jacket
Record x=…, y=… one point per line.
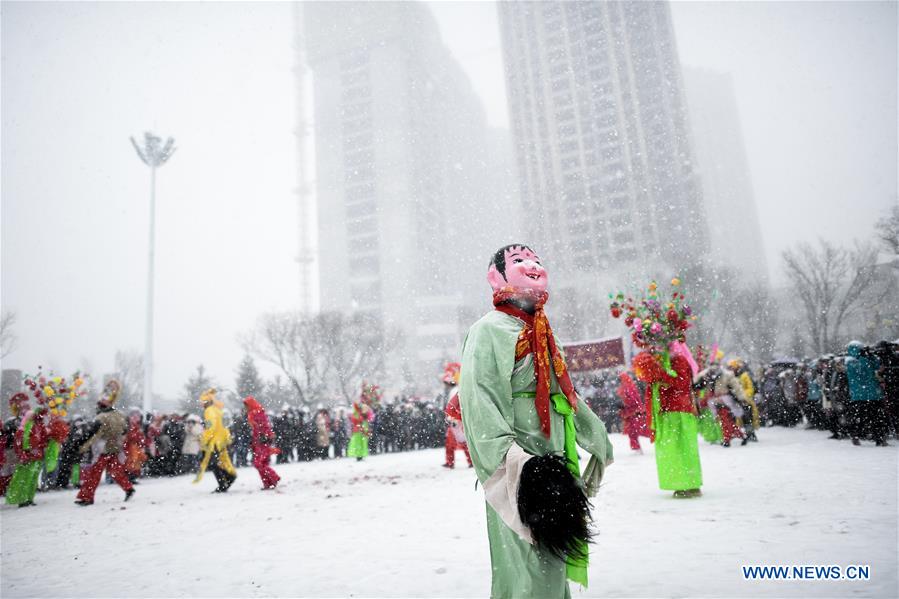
x=262, y=428
x=361, y=421
x=37, y=440
x=675, y=393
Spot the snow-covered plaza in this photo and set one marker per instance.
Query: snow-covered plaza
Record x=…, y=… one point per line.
x=399, y=525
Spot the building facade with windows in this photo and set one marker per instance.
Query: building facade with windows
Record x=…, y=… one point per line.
x=403, y=175
x=601, y=137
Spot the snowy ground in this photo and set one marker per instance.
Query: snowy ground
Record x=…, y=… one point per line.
x=401, y=526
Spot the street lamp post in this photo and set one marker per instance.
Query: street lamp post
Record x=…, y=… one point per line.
x=154, y=154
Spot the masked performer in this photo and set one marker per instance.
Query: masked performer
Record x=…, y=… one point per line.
x=262, y=440
x=105, y=442
x=523, y=421
x=215, y=441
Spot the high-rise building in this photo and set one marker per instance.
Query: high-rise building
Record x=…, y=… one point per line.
x=403, y=175
x=601, y=135
x=736, y=240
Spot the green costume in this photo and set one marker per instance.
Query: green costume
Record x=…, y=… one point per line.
x=23, y=485
x=709, y=427
x=358, y=446
x=498, y=412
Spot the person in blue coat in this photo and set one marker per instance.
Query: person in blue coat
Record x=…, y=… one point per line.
x=865, y=393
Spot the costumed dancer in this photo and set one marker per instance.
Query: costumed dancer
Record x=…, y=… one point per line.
x=360, y=420
x=632, y=412
x=135, y=446
x=57, y=433
x=105, y=442
x=262, y=439
x=215, y=441
x=524, y=421
x=741, y=371
x=709, y=425
x=455, y=432
x=726, y=391
x=667, y=366
x=69, y=471
x=31, y=441
x=18, y=405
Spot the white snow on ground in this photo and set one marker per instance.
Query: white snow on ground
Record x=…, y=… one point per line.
x=399, y=525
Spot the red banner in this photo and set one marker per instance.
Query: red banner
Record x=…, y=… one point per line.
x=582, y=356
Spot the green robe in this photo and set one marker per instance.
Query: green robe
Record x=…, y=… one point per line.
x=358, y=446
x=493, y=421
x=23, y=485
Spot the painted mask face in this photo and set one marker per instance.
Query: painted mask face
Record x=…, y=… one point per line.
x=523, y=272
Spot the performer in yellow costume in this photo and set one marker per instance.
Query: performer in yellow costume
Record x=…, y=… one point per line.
x=215, y=441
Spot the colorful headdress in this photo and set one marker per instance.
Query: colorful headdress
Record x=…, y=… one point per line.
x=17, y=402
x=111, y=392
x=55, y=392
x=252, y=405
x=371, y=394
x=654, y=322
x=208, y=395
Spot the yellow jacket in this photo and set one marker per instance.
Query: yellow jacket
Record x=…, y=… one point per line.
x=216, y=437
x=748, y=388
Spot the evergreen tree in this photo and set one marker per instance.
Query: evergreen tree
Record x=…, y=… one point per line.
x=195, y=385
x=248, y=381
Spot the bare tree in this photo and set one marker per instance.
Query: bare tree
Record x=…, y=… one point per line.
x=293, y=343
x=8, y=339
x=355, y=350
x=328, y=354
x=832, y=283
x=888, y=230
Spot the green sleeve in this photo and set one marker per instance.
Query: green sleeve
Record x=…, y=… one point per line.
x=26, y=435
x=51, y=456
x=485, y=394
x=591, y=433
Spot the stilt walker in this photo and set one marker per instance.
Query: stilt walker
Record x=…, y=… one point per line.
x=262, y=440
x=105, y=440
x=524, y=422
x=215, y=441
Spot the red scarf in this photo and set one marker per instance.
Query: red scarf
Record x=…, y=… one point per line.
x=537, y=338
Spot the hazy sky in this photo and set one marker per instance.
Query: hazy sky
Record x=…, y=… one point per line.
x=816, y=87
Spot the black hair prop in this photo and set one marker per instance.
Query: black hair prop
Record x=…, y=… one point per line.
x=554, y=506
x=499, y=257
